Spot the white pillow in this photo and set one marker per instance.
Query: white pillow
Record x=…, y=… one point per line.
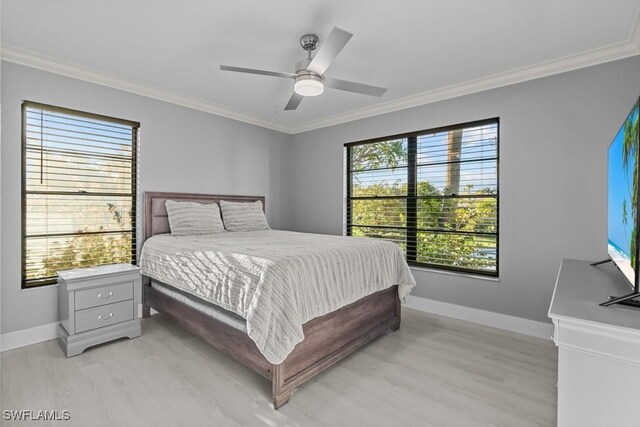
x=241, y=216
x=190, y=218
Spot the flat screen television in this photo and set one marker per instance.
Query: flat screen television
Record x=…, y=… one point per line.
x=624, y=161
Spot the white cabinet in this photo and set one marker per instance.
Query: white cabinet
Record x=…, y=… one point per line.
x=598, y=347
x=97, y=305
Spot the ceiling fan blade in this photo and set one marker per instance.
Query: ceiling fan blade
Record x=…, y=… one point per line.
x=294, y=101
x=335, y=42
x=354, y=87
x=254, y=71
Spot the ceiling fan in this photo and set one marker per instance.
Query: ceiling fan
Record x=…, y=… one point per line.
x=309, y=78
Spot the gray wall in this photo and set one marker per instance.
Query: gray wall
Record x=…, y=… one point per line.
x=181, y=150
x=553, y=161
x=554, y=136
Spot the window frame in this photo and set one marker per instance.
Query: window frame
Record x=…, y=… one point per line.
x=38, y=283
x=412, y=168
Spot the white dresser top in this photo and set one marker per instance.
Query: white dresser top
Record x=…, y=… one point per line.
x=581, y=287
x=93, y=272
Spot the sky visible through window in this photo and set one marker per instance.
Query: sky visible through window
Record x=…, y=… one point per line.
x=478, y=143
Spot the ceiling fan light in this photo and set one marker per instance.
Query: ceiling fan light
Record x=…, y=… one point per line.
x=308, y=85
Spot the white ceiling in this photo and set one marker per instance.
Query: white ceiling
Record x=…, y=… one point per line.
x=421, y=50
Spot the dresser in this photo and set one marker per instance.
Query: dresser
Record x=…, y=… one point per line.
x=97, y=305
x=598, y=347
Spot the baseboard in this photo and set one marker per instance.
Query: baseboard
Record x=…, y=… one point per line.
x=488, y=318
x=140, y=311
x=25, y=337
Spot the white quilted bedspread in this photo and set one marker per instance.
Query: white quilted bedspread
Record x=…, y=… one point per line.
x=276, y=280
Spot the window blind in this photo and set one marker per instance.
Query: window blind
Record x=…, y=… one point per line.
x=78, y=191
x=433, y=192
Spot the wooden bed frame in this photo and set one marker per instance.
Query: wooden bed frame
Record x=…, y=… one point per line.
x=328, y=338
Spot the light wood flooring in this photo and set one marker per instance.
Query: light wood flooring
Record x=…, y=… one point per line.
x=434, y=371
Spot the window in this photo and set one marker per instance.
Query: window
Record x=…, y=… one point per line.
x=434, y=193
x=78, y=191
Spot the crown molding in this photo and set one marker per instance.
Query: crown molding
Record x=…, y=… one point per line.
x=635, y=35
x=53, y=65
x=569, y=63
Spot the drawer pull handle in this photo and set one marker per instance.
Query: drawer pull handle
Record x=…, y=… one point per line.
x=103, y=318
x=109, y=295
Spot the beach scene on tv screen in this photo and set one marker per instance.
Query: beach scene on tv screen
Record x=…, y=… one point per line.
x=623, y=167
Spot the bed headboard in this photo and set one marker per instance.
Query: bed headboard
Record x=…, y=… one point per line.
x=156, y=220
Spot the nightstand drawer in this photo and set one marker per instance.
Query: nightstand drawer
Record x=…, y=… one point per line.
x=98, y=317
x=103, y=295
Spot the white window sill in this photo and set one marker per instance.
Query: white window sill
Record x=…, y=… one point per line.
x=456, y=273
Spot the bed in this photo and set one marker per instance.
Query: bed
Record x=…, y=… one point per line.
x=299, y=355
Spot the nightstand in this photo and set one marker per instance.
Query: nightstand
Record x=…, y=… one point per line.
x=97, y=305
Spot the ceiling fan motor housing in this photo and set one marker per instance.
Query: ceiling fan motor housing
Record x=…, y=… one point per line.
x=301, y=66
x=307, y=83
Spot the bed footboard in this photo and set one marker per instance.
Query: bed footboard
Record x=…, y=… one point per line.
x=334, y=336
x=328, y=338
